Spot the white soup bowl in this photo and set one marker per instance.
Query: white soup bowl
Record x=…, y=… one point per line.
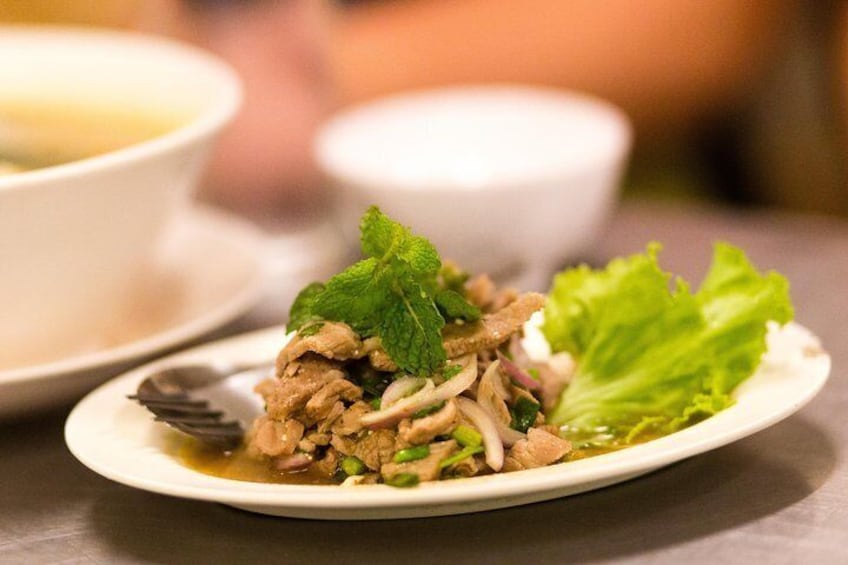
x=509, y=180
x=75, y=238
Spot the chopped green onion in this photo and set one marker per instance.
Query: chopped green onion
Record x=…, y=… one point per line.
x=523, y=414
x=451, y=371
x=463, y=454
x=412, y=454
x=403, y=480
x=427, y=410
x=376, y=402
x=352, y=466
x=467, y=436
x=533, y=372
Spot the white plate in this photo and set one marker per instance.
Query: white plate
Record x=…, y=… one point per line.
x=118, y=440
x=211, y=272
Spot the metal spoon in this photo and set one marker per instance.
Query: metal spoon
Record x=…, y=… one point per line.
x=213, y=403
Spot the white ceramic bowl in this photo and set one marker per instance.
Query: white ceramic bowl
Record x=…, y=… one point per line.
x=505, y=179
x=75, y=237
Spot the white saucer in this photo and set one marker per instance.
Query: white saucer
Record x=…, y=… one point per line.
x=119, y=440
x=210, y=273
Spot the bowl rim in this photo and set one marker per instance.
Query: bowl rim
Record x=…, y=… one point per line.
x=225, y=105
x=339, y=171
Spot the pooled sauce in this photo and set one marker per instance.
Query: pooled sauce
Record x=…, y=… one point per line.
x=239, y=466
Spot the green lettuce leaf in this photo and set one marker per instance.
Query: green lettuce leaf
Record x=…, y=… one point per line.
x=652, y=357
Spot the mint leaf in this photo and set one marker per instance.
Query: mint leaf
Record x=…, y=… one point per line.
x=301, y=310
x=454, y=307
x=394, y=293
x=421, y=257
x=378, y=233
x=411, y=330
x=355, y=296
x=451, y=277
x=394, y=245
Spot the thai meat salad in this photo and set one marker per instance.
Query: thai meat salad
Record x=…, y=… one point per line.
x=403, y=369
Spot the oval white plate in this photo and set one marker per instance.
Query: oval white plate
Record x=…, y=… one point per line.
x=189, y=296
x=118, y=440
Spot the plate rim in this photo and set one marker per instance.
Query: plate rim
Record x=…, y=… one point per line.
x=635, y=460
x=244, y=239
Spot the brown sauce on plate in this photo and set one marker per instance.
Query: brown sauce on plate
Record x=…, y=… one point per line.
x=238, y=465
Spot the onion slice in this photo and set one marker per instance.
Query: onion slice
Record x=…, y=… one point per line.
x=485, y=424
x=401, y=388
x=492, y=380
x=518, y=374
x=292, y=463
x=427, y=396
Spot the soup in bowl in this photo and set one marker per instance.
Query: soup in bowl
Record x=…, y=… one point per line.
x=103, y=137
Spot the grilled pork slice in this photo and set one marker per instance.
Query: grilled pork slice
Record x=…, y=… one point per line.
x=333, y=340
x=539, y=449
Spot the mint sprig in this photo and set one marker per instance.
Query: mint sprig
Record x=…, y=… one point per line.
x=394, y=293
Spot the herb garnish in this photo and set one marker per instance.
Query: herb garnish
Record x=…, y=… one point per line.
x=394, y=293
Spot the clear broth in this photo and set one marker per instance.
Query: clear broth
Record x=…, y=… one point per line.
x=37, y=135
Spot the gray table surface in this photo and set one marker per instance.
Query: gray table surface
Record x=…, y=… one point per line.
x=780, y=496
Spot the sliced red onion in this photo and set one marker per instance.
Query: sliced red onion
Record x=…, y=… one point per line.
x=508, y=436
x=485, y=424
x=492, y=377
x=517, y=374
x=427, y=396
x=517, y=352
x=293, y=462
x=401, y=388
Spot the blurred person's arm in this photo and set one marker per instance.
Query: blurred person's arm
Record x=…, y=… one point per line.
x=667, y=62
x=262, y=163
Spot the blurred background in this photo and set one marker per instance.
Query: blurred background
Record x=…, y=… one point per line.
x=733, y=102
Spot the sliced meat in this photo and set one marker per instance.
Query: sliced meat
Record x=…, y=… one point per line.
x=427, y=469
x=490, y=331
x=539, y=449
x=424, y=430
x=272, y=437
x=323, y=401
x=480, y=291
x=306, y=446
x=483, y=293
x=318, y=439
x=265, y=388
x=467, y=467
x=493, y=329
x=334, y=340
x=374, y=448
x=301, y=380
x=335, y=413
x=350, y=423
x=327, y=465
